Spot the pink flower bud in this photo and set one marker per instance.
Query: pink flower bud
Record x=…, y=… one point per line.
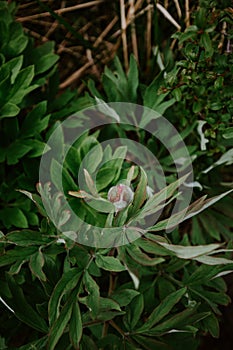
x=121, y=196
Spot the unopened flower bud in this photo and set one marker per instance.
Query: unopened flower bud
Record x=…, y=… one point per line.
x=121, y=196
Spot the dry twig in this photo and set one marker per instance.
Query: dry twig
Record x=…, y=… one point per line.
x=76, y=75
x=148, y=35
x=62, y=10
x=123, y=35
x=131, y=13
x=187, y=13
x=178, y=9
x=105, y=31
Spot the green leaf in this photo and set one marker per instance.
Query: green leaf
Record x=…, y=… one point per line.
x=140, y=193
x=190, y=252
x=124, y=296
x=105, y=176
x=14, y=217
x=19, y=253
x=109, y=263
x=16, y=267
x=195, y=208
x=22, y=81
x=37, y=344
x=151, y=94
x=57, y=170
x=45, y=62
x=23, y=310
x=36, y=264
x=152, y=205
x=209, y=260
x=37, y=148
x=27, y=238
x=207, y=44
x=35, y=198
x=163, y=309
x=228, y=133
x=179, y=321
x=61, y=322
x=212, y=325
x=107, y=304
x=93, y=158
x=75, y=329
x=135, y=310
x=18, y=40
x=150, y=246
x=35, y=121
x=93, y=298
x=133, y=81
x=67, y=283
x=149, y=344
x=15, y=65
x=16, y=151
x=142, y=258
x=9, y=110
x=104, y=108
x=90, y=183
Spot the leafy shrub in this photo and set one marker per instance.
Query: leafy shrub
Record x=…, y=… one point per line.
x=156, y=292
x=23, y=116
x=138, y=294
x=201, y=84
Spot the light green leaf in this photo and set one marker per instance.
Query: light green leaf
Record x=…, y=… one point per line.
x=9, y=110
x=190, y=252
x=21, y=84
x=45, y=62
x=104, y=108
x=93, y=158
x=210, y=260
x=90, y=183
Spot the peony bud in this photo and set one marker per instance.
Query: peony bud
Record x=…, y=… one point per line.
x=121, y=196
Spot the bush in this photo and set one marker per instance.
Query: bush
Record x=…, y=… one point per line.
x=84, y=264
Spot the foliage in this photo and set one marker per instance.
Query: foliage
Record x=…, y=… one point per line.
x=163, y=288
x=105, y=296
x=201, y=81
x=24, y=117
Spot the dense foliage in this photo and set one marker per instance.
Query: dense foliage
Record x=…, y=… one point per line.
x=161, y=289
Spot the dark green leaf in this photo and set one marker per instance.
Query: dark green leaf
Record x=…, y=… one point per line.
x=109, y=263
x=124, y=296
x=36, y=264
x=75, y=328
x=67, y=283
x=93, y=298
x=23, y=310
x=163, y=309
